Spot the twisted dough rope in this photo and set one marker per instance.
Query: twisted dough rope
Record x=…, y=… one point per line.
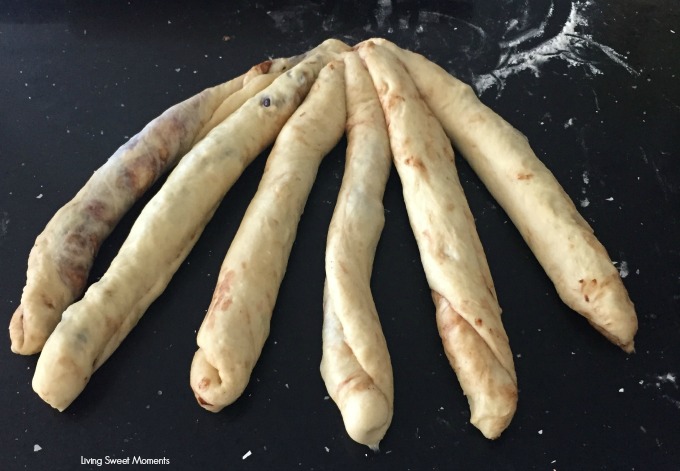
x=355, y=364
x=467, y=311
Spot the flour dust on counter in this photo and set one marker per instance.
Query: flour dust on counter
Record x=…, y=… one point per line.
x=584, y=202
x=666, y=385
x=574, y=44
x=622, y=266
x=488, y=53
x=4, y=224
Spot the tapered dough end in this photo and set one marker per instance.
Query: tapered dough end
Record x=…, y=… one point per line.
x=60, y=375
x=367, y=416
x=492, y=411
x=613, y=315
x=17, y=333
x=491, y=390
x=603, y=300
x=36, y=317
x=492, y=425
x=622, y=330
x=366, y=409
x=28, y=335
x=626, y=346
x=214, y=390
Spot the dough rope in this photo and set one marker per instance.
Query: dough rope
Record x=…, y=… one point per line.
x=355, y=363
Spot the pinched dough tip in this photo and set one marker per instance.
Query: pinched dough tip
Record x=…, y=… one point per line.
x=367, y=416
x=16, y=330
x=213, y=389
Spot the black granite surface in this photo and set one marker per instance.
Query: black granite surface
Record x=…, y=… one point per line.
x=593, y=85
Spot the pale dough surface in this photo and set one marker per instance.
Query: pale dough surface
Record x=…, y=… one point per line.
x=355, y=364
x=62, y=256
x=562, y=241
x=237, y=323
x=63, y=253
x=164, y=233
x=455, y=265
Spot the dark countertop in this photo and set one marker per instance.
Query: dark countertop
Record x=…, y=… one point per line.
x=592, y=84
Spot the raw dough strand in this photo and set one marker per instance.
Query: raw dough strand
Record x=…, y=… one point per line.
x=236, y=325
x=467, y=311
x=165, y=232
x=562, y=241
x=61, y=259
x=355, y=364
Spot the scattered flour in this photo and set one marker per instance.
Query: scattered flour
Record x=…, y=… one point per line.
x=288, y=19
x=532, y=33
x=661, y=383
x=383, y=12
x=668, y=378
x=572, y=45
x=4, y=223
